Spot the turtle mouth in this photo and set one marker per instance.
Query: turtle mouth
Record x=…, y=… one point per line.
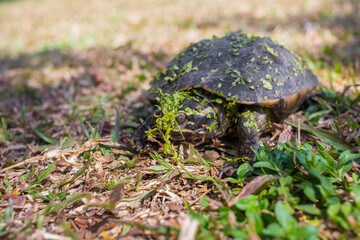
x=188, y=135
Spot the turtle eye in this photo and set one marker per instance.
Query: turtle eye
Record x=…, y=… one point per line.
x=181, y=118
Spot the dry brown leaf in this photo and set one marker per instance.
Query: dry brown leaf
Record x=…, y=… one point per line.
x=251, y=187
x=285, y=135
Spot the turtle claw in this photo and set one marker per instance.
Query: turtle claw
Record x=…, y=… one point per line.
x=229, y=169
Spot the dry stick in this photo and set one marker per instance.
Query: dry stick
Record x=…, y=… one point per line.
x=13, y=206
x=298, y=130
x=347, y=87
x=154, y=61
x=294, y=158
x=197, y=199
x=29, y=160
x=86, y=146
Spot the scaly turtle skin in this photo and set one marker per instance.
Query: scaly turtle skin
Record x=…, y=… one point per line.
x=239, y=81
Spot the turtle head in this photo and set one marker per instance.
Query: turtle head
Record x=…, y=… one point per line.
x=199, y=122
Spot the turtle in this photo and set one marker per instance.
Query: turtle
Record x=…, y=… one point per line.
x=239, y=83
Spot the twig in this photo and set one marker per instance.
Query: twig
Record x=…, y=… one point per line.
x=298, y=132
x=13, y=206
x=197, y=199
x=26, y=161
x=154, y=61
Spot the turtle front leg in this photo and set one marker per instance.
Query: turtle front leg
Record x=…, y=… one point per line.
x=252, y=123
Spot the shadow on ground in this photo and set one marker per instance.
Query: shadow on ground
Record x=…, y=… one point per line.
x=57, y=94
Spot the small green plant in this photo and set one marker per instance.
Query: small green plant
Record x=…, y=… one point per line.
x=168, y=105
x=332, y=103
x=4, y=134
x=8, y=185
x=308, y=183
x=243, y=171
x=5, y=218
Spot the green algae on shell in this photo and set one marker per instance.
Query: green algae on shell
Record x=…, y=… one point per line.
x=251, y=62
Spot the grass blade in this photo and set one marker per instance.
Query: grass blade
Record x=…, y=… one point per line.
x=78, y=173
x=43, y=175
x=161, y=161
x=138, y=181
x=221, y=187
x=330, y=138
x=75, y=198
x=140, y=197
x=69, y=232
x=44, y=137
x=115, y=133
x=85, y=130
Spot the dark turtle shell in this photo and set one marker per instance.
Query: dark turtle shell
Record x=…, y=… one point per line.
x=243, y=68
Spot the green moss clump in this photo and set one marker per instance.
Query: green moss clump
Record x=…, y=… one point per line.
x=266, y=84
x=251, y=122
x=271, y=50
x=169, y=105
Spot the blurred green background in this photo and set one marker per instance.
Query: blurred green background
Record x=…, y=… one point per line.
x=326, y=31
